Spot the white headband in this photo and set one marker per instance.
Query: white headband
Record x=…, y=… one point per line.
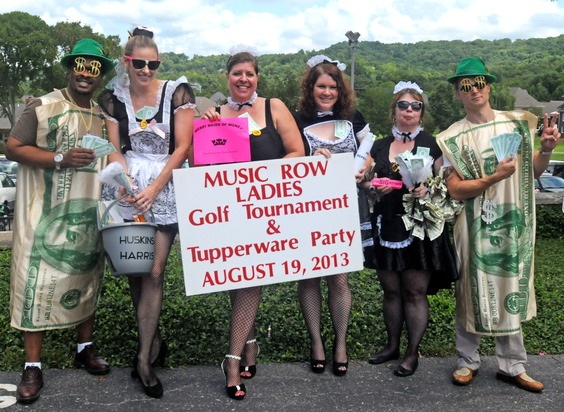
x=241, y=48
x=407, y=85
x=320, y=58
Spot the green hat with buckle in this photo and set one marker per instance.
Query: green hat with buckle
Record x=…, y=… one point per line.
x=470, y=67
x=91, y=49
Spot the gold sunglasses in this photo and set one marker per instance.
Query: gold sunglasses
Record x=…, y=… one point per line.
x=466, y=85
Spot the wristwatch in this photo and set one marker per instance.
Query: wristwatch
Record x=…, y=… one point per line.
x=58, y=159
x=542, y=152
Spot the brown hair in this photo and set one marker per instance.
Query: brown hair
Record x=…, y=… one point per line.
x=345, y=105
x=241, y=57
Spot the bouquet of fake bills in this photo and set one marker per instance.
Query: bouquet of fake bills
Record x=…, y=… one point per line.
x=113, y=175
x=415, y=168
x=426, y=216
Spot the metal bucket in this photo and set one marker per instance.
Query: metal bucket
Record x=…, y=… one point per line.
x=129, y=246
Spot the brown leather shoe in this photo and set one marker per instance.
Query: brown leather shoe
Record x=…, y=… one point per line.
x=91, y=361
x=30, y=385
x=463, y=376
x=522, y=380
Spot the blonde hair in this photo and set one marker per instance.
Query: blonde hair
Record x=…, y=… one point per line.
x=141, y=37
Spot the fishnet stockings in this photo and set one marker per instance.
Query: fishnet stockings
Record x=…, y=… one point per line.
x=405, y=299
x=147, y=295
x=244, y=307
x=340, y=302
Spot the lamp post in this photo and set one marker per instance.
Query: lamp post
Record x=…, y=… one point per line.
x=353, y=42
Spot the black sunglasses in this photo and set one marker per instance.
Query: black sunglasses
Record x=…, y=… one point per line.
x=140, y=63
x=466, y=85
x=404, y=104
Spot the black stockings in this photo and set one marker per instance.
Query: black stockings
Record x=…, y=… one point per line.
x=405, y=299
x=147, y=295
x=244, y=307
x=340, y=302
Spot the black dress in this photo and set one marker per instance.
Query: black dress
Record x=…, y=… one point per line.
x=395, y=249
x=267, y=144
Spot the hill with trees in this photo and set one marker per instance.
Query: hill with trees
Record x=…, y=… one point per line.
x=536, y=65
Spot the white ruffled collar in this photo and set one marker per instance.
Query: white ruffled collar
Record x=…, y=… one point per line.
x=405, y=136
x=238, y=106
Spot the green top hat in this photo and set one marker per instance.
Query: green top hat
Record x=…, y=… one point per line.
x=470, y=67
x=88, y=48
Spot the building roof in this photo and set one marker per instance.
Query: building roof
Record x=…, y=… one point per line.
x=523, y=100
x=5, y=125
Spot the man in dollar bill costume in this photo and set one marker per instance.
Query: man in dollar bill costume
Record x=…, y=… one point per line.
x=57, y=257
x=491, y=163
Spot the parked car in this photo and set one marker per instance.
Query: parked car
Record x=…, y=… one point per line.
x=7, y=191
x=9, y=167
x=549, y=183
x=556, y=168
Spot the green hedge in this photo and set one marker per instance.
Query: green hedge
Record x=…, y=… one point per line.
x=196, y=328
x=550, y=222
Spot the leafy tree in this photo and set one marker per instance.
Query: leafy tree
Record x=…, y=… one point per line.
x=283, y=83
x=536, y=65
x=27, y=49
x=501, y=99
x=444, y=108
x=65, y=35
x=374, y=104
x=30, y=52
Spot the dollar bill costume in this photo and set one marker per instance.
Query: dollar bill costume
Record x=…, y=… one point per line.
x=495, y=233
x=57, y=258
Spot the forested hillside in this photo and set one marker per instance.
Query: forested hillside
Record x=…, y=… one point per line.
x=536, y=65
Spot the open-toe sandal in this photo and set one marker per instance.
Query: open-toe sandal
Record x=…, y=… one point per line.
x=236, y=392
x=249, y=371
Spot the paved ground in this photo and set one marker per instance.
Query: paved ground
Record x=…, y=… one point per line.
x=292, y=387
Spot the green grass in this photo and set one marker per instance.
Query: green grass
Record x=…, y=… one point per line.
x=196, y=328
x=558, y=151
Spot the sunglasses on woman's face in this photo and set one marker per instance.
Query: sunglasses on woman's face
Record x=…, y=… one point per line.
x=466, y=85
x=404, y=104
x=140, y=63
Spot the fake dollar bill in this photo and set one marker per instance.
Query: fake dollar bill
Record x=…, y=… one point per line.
x=100, y=146
x=414, y=168
x=506, y=145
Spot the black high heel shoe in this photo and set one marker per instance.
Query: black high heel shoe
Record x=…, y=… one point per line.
x=339, y=368
x=379, y=358
x=317, y=365
x=155, y=391
x=404, y=372
x=251, y=370
x=233, y=391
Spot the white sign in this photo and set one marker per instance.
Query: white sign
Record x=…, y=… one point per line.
x=259, y=223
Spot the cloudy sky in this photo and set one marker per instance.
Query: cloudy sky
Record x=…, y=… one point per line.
x=287, y=26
